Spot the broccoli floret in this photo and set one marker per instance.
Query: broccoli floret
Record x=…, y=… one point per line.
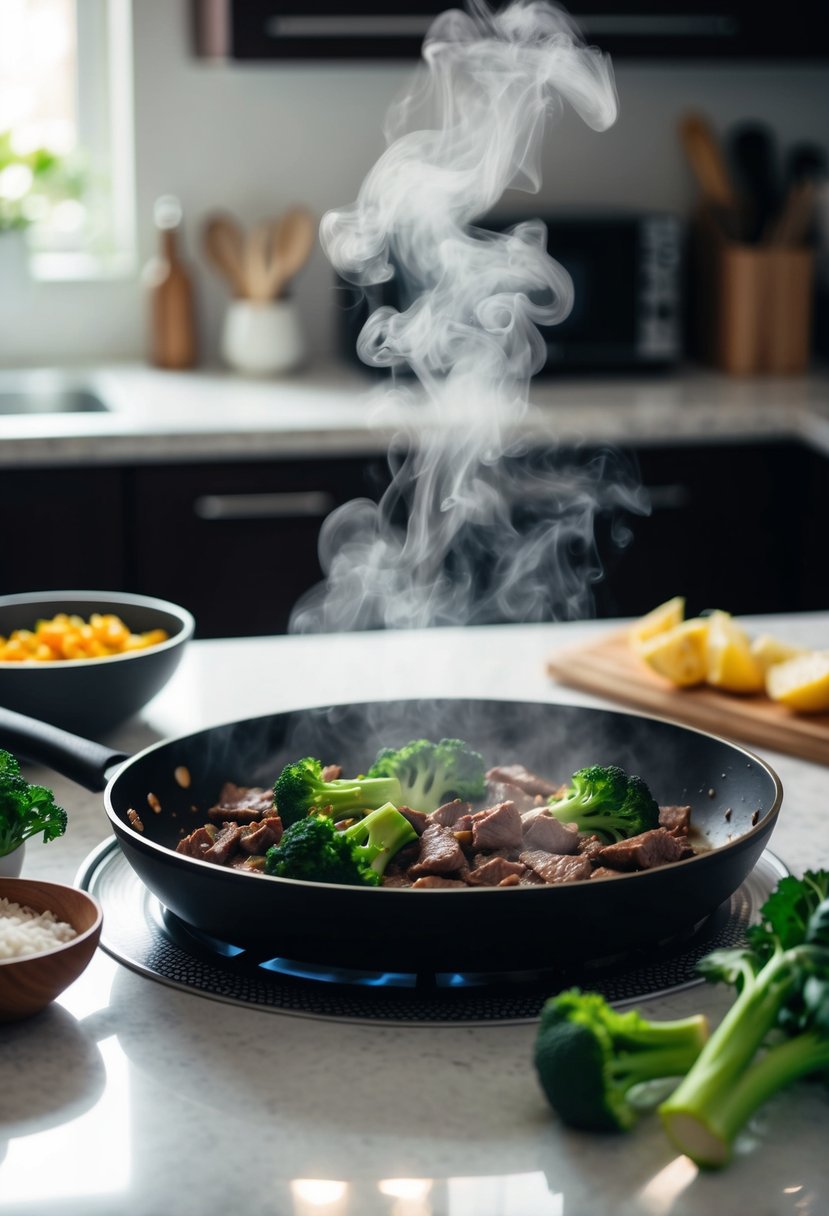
x=25, y=810
x=300, y=789
x=315, y=850
x=376, y=838
x=777, y=1029
x=431, y=774
x=606, y=801
x=589, y=1058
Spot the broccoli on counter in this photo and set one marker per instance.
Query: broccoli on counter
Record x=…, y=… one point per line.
x=777, y=1029
x=430, y=774
x=315, y=850
x=25, y=810
x=300, y=790
x=589, y=1057
x=604, y=800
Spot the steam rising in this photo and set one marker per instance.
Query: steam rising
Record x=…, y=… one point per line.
x=467, y=531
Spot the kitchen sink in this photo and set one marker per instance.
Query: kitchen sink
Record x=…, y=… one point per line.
x=50, y=401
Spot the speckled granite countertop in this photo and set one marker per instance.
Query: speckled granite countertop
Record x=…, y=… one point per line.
x=130, y=1097
x=164, y=416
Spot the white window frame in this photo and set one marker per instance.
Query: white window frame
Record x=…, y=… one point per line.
x=104, y=85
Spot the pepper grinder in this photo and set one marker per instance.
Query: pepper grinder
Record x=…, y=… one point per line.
x=172, y=337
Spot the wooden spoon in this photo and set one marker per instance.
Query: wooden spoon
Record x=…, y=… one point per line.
x=224, y=244
x=711, y=172
x=259, y=255
x=290, y=240
x=793, y=226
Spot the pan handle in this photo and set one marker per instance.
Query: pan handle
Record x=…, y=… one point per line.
x=81, y=760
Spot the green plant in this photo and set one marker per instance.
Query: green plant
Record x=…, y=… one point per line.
x=25, y=810
x=32, y=182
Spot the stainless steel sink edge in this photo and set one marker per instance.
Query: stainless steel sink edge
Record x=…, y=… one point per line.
x=47, y=391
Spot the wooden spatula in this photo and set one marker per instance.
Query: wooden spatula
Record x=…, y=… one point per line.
x=709, y=167
x=278, y=251
x=224, y=243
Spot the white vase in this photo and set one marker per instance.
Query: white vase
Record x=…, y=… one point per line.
x=262, y=339
x=12, y=863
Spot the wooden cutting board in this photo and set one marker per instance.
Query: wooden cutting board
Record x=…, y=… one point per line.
x=609, y=668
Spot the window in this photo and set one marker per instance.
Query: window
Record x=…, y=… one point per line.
x=66, y=163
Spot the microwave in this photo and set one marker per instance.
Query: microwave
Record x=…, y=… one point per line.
x=627, y=273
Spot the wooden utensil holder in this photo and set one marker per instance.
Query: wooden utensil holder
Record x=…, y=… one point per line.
x=753, y=304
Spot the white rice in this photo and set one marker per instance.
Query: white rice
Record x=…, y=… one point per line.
x=24, y=931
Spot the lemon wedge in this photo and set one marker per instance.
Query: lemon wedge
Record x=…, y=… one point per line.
x=658, y=620
x=678, y=653
x=768, y=650
x=730, y=664
x=802, y=683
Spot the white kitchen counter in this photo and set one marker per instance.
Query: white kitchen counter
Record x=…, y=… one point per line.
x=132, y=1098
x=211, y=415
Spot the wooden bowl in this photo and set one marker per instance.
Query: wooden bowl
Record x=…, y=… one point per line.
x=32, y=981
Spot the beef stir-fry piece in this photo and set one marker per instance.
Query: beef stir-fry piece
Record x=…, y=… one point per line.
x=676, y=820
x=543, y=831
x=418, y=819
x=553, y=867
x=225, y=844
x=643, y=852
x=498, y=827
x=241, y=804
x=243, y=826
x=530, y=783
x=451, y=812
x=494, y=871
x=439, y=853
x=430, y=882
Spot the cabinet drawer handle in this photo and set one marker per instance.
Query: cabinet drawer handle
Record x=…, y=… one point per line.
x=287, y=505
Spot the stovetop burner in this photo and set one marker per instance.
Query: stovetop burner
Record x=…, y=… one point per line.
x=148, y=938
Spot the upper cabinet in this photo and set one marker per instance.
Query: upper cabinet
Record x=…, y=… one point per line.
x=261, y=30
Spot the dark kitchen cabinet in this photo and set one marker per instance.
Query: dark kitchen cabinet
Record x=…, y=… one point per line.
x=237, y=543
x=813, y=566
x=729, y=527
x=278, y=30
x=734, y=525
x=618, y=530
x=61, y=529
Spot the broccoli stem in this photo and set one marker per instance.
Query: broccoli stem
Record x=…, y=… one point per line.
x=343, y=795
x=657, y=1049
x=777, y=1067
x=724, y=1087
x=707, y=1132
x=589, y=818
x=677, y=1033
x=633, y=1067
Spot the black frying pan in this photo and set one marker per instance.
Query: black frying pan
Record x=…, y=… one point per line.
x=734, y=795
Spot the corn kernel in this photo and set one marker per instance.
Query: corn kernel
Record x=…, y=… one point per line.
x=69, y=636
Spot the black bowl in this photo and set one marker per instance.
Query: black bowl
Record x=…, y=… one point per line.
x=91, y=696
